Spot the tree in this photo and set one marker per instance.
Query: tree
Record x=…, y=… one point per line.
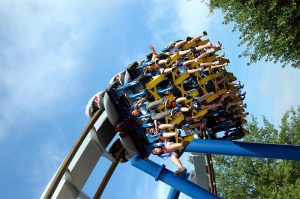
x=269, y=29
x=242, y=177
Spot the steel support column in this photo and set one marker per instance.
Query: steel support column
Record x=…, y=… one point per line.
x=159, y=172
x=277, y=151
x=173, y=193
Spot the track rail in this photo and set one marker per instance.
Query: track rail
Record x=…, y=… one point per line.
x=61, y=171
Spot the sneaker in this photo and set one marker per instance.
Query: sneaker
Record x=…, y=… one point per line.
x=180, y=172
x=189, y=97
x=188, y=38
x=175, y=69
x=219, y=45
x=168, y=60
x=242, y=94
x=204, y=33
x=123, y=160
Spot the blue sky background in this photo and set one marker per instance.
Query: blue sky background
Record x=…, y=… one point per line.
x=54, y=55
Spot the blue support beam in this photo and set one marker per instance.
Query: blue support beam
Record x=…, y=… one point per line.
x=173, y=193
x=277, y=151
x=159, y=172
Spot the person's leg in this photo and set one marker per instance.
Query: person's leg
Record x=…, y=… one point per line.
x=225, y=78
x=165, y=70
x=224, y=96
x=173, y=146
x=158, y=116
x=198, y=37
x=179, y=44
x=219, y=66
x=203, y=55
x=205, y=64
x=168, y=134
x=204, y=97
x=177, y=162
x=218, y=57
x=184, y=109
x=155, y=104
x=197, y=125
x=212, y=106
x=214, y=48
x=188, y=62
x=180, y=99
x=191, y=71
x=198, y=48
x=162, y=62
x=165, y=126
x=184, y=52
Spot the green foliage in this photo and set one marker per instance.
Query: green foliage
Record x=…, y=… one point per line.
x=270, y=29
x=242, y=177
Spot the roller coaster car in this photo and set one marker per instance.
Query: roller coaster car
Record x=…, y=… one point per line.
x=95, y=103
x=118, y=110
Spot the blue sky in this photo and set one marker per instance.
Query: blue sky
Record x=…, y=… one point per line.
x=54, y=55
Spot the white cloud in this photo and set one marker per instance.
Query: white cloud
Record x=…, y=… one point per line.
x=50, y=156
x=176, y=20
x=278, y=88
x=162, y=190
x=193, y=17
x=42, y=48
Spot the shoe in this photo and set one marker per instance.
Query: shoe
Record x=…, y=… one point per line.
x=189, y=38
x=180, y=172
x=189, y=97
x=168, y=60
x=123, y=160
x=196, y=107
x=204, y=33
x=243, y=94
x=219, y=45
x=175, y=69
